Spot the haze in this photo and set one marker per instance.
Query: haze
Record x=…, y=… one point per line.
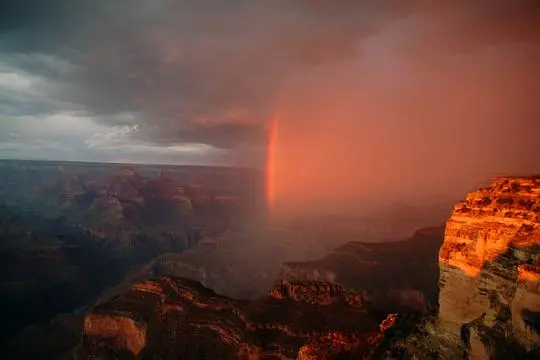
x=375, y=100
x=384, y=127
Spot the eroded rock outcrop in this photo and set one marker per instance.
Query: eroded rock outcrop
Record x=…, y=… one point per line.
x=336, y=345
x=317, y=293
x=389, y=277
x=240, y=266
x=489, y=290
x=124, y=331
x=179, y=318
x=320, y=305
x=489, y=280
x=489, y=266
x=489, y=303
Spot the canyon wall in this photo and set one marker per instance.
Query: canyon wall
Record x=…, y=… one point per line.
x=488, y=304
x=490, y=269
x=389, y=276
x=170, y=317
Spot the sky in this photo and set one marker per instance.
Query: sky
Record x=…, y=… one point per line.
x=420, y=94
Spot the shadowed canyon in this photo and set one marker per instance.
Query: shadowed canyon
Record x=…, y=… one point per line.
x=145, y=262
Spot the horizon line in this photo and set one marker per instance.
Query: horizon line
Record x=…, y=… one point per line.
x=128, y=164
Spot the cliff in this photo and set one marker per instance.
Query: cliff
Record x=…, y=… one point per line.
x=335, y=345
x=489, y=266
x=124, y=207
x=488, y=304
x=489, y=286
x=390, y=276
x=305, y=313
x=72, y=230
x=179, y=318
x=242, y=265
x=489, y=301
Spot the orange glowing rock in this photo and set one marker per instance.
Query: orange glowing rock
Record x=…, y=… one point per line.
x=123, y=331
x=529, y=273
x=490, y=252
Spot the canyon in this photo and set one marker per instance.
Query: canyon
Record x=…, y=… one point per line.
x=297, y=309
x=145, y=262
x=73, y=233
x=489, y=279
x=352, y=304
x=69, y=231
x=335, y=299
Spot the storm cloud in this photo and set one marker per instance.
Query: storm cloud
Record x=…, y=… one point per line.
x=204, y=71
x=205, y=77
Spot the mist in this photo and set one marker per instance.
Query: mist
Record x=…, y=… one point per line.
x=425, y=110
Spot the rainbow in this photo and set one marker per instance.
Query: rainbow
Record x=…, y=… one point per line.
x=271, y=164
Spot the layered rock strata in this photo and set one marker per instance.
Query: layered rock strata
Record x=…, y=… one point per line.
x=316, y=308
x=489, y=280
x=179, y=318
x=489, y=300
x=489, y=265
x=390, y=277
x=336, y=345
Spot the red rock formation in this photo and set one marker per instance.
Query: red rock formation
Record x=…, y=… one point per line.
x=109, y=209
x=489, y=262
x=316, y=293
x=390, y=277
x=179, y=318
x=164, y=189
x=324, y=315
x=127, y=334
x=331, y=346
x=239, y=266
x=124, y=184
x=336, y=345
x=490, y=289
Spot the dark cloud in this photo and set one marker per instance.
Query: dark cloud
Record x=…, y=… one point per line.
x=177, y=62
x=470, y=26
x=210, y=71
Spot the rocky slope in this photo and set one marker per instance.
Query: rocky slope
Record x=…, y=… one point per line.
x=304, y=308
x=336, y=345
x=390, y=276
x=490, y=266
x=145, y=216
x=72, y=230
x=487, y=270
x=47, y=267
x=246, y=266
x=490, y=294
x=125, y=201
x=240, y=265
x=170, y=318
